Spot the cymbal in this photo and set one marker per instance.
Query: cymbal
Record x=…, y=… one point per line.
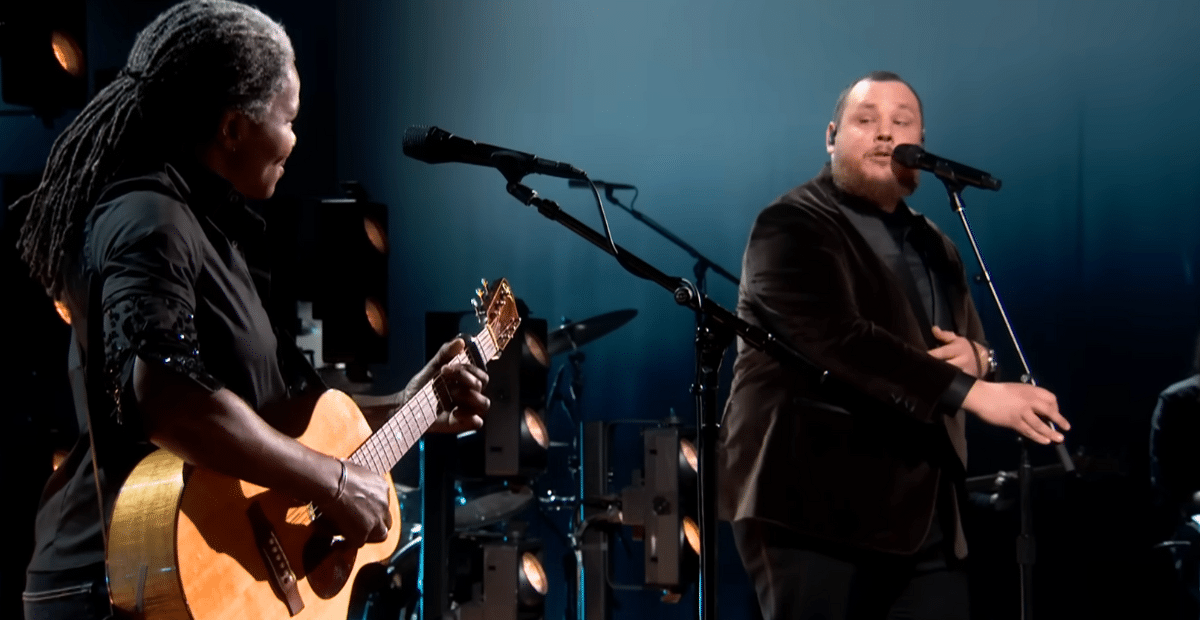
x=572, y=335
x=488, y=508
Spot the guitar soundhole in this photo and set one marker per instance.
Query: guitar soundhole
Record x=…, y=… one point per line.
x=328, y=563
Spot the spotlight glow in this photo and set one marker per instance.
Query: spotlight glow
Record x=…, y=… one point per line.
x=376, y=317
x=537, y=428
x=691, y=531
x=67, y=52
x=689, y=454
x=376, y=235
x=537, y=349
x=532, y=569
x=63, y=311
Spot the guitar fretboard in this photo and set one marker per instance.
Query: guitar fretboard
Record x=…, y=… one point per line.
x=383, y=450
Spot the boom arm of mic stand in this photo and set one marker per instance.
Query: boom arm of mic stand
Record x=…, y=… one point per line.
x=645, y=219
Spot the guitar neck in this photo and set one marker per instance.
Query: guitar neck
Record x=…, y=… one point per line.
x=383, y=450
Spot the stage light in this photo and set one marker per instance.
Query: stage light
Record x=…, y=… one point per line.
x=376, y=234
x=515, y=438
x=688, y=451
x=376, y=316
x=499, y=580
x=535, y=428
x=691, y=531
x=662, y=507
x=537, y=349
x=350, y=290
x=67, y=53
x=530, y=446
x=534, y=584
x=42, y=60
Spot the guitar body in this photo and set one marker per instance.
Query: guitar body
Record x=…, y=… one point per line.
x=187, y=543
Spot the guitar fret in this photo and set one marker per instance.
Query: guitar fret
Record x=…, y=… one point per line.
x=404, y=429
x=429, y=405
x=406, y=433
x=388, y=450
x=491, y=343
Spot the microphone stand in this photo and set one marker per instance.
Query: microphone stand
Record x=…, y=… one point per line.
x=702, y=262
x=1026, y=546
x=715, y=329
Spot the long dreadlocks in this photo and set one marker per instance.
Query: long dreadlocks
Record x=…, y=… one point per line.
x=195, y=61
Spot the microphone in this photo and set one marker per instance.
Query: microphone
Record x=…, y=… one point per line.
x=436, y=146
x=913, y=156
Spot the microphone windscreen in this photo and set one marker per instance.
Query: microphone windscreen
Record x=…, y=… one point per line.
x=415, y=138
x=908, y=155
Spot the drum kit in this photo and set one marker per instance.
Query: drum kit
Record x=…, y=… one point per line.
x=483, y=507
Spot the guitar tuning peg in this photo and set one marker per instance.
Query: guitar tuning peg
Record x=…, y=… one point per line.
x=475, y=303
x=484, y=282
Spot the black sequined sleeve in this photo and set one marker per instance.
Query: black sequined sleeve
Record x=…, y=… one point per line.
x=147, y=247
x=158, y=330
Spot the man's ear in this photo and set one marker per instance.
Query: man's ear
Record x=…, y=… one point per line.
x=830, y=137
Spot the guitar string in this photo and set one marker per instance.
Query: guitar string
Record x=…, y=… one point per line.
x=403, y=430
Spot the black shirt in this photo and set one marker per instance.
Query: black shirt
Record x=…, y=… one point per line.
x=901, y=239
x=161, y=275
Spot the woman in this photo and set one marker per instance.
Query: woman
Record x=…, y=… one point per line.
x=135, y=228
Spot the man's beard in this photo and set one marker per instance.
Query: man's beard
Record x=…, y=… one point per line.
x=880, y=192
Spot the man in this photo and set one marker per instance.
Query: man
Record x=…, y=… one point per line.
x=844, y=492
x=1175, y=479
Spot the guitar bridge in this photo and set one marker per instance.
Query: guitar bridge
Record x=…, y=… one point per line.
x=279, y=570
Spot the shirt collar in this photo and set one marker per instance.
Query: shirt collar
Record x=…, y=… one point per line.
x=211, y=195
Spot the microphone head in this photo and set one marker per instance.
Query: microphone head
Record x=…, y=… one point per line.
x=419, y=141
x=908, y=155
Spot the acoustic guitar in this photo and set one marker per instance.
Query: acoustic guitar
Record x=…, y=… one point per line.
x=191, y=544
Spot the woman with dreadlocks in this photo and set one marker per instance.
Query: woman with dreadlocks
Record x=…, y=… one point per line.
x=135, y=228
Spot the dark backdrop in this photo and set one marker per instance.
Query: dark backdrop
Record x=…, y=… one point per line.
x=713, y=109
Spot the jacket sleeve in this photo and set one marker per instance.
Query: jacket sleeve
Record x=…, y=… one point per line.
x=799, y=283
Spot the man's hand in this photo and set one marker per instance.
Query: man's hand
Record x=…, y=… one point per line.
x=963, y=353
x=464, y=383
x=1021, y=407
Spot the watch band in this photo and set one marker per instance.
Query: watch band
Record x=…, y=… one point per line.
x=992, y=364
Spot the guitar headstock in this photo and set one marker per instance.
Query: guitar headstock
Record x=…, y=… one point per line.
x=496, y=309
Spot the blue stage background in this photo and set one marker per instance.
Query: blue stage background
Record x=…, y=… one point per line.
x=1085, y=111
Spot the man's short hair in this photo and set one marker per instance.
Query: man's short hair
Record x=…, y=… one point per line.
x=874, y=76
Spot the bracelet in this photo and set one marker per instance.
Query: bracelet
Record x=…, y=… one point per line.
x=341, y=481
x=992, y=363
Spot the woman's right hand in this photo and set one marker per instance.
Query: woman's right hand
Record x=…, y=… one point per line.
x=360, y=512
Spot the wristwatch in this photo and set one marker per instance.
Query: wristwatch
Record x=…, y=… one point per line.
x=992, y=365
